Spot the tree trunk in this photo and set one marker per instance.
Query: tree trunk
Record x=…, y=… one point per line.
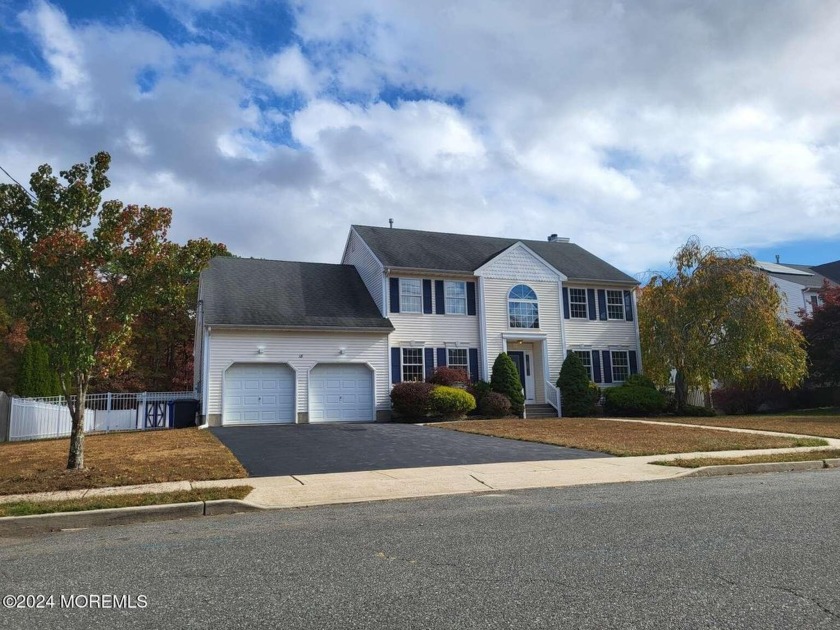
x=680, y=390
x=76, y=456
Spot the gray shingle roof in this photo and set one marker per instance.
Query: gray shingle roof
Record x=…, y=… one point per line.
x=830, y=270
x=462, y=253
x=251, y=292
x=813, y=281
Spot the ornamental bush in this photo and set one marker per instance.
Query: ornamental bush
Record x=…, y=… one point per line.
x=578, y=398
x=479, y=390
x=410, y=400
x=495, y=405
x=505, y=380
x=450, y=402
x=450, y=377
x=633, y=400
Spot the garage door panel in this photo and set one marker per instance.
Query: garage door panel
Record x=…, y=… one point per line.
x=341, y=393
x=261, y=394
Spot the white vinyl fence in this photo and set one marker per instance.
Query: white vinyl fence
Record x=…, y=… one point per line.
x=39, y=418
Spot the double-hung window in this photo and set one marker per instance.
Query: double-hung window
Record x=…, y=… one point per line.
x=577, y=304
x=411, y=295
x=620, y=366
x=455, y=295
x=615, y=304
x=585, y=357
x=412, y=364
x=457, y=358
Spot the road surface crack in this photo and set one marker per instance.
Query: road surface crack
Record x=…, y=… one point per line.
x=784, y=589
x=486, y=485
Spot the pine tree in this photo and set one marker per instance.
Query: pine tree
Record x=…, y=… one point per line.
x=505, y=380
x=26, y=377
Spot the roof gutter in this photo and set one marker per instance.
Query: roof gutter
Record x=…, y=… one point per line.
x=371, y=329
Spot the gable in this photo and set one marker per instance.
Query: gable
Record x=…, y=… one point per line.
x=519, y=262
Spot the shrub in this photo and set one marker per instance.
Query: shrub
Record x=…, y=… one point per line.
x=639, y=380
x=479, y=390
x=578, y=398
x=696, y=411
x=505, y=380
x=450, y=377
x=411, y=399
x=450, y=402
x=753, y=398
x=495, y=405
x=630, y=400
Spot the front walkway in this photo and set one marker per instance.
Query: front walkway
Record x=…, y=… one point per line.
x=406, y=483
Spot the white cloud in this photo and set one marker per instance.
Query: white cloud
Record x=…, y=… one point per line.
x=290, y=71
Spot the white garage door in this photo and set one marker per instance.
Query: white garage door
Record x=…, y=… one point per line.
x=259, y=394
x=340, y=393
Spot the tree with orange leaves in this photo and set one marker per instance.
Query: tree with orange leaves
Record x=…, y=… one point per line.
x=83, y=270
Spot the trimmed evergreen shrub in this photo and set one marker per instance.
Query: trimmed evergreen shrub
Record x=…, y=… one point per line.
x=495, y=405
x=450, y=377
x=410, y=400
x=450, y=402
x=578, y=398
x=479, y=390
x=505, y=380
x=633, y=400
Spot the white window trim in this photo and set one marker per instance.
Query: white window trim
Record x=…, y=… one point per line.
x=403, y=296
x=463, y=283
x=626, y=353
x=623, y=305
x=466, y=352
x=585, y=303
x=511, y=300
x=403, y=363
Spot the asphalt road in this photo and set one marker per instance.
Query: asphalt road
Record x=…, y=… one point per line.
x=742, y=552
x=306, y=449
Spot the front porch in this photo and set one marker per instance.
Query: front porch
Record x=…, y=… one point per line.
x=529, y=352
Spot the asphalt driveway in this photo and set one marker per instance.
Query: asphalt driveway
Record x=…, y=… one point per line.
x=267, y=451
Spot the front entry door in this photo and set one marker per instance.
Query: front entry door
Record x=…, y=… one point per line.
x=524, y=362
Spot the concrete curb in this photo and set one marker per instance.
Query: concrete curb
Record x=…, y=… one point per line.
x=13, y=526
x=748, y=469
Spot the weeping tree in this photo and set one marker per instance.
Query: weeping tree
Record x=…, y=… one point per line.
x=715, y=317
x=83, y=270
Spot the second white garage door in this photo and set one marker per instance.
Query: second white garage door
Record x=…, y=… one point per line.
x=340, y=393
x=259, y=394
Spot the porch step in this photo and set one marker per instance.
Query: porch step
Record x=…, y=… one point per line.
x=540, y=411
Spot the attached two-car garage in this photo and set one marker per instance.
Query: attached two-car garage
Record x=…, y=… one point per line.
x=265, y=393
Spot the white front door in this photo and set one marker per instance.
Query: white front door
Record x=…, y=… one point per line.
x=524, y=360
x=259, y=394
x=340, y=393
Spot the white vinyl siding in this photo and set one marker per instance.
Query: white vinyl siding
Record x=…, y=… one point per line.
x=371, y=271
x=301, y=351
x=615, y=305
x=578, y=306
x=455, y=298
x=598, y=334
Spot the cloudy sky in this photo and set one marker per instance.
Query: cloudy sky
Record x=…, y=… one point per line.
x=628, y=126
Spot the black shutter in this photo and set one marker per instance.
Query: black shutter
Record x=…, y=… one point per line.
x=595, y=357
x=470, y=298
x=607, y=366
x=429, y=361
x=602, y=304
x=565, y=302
x=395, y=295
x=441, y=357
x=440, y=304
x=427, y=297
x=628, y=306
x=396, y=367
x=590, y=298
x=634, y=365
x=473, y=354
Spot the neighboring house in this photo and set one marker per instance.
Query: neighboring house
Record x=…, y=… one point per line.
x=800, y=285
x=303, y=342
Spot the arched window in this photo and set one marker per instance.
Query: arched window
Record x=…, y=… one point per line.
x=523, y=309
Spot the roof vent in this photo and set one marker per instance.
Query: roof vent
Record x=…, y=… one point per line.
x=778, y=259
x=553, y=238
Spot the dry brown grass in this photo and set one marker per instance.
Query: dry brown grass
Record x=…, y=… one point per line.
x=825, y=426
x=27, y=508
x=801, y=456
x=117, y=459
x=624, y=438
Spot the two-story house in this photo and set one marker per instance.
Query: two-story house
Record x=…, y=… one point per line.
x=799, y=285
x=303, y=342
